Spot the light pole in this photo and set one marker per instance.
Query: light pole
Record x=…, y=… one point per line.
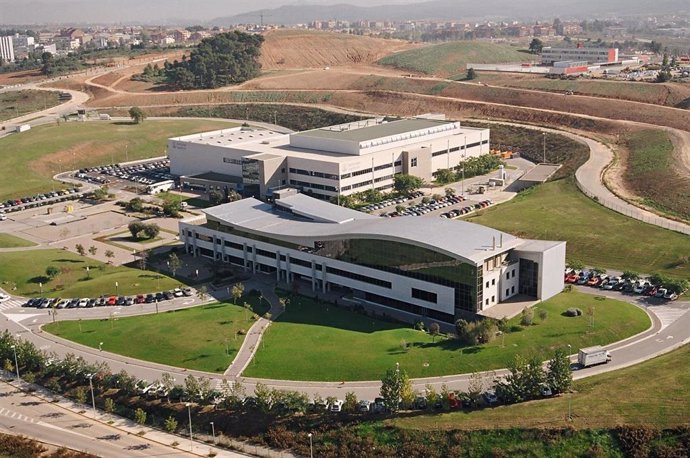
x=311, y=446
x=100, y=346
x=93, y=398
x=16, y=363
x=117, y=284
x=213, y=433
x=543, y=136
x=570, y=399
x=191, y=439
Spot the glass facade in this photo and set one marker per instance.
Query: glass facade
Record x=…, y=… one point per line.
x=411, y=261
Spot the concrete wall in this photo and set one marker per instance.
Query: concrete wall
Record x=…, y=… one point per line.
x=551, y=272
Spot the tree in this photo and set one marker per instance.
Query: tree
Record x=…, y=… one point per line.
x=172, y=208
x=7, y=366
x=101, y=193
x=93, y=250
x=137, y=115
x=407, y=184
x=524, y=381
x=663, y=76
x=475, y=387
x=140, y=416
x=536, y=46
x=471, y=74
x=143, y=258
x=431, y=396
x=394, y=384
x=527, y=317
x=135, y=227
x=110, y=255
x=664, y=61
x=215, y=197
x=52, y=272
x=151, y=230
x=202, y=293
x=543, y=314
x=237, y=291
x=170, y=424
x=168, y=383
x=174, y=263
x=109, y=405
x=444, y=176
x=263, y=397
x=630, y=275
x=135, y=205
x=434, y=329
x=559, y=377
x=80, y=249
x=657, y=279
x=450, y=192
x=80, y=395
x=192, y=387
x=350, y=404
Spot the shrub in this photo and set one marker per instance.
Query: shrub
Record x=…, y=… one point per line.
x=140, y=416
x=573, y=311
x=527, y=317
x=634, y=440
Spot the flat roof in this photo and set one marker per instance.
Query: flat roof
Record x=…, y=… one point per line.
x=370, y=131
x=313, y=220
x=540, y=172
x=230, y=137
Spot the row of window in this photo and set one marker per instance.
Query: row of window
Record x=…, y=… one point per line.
x=306, y=184
x=327, y=176
x=359, y=277
x=410, y=308
x=426, y=296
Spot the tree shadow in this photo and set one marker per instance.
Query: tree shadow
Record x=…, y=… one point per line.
x=39, y=279
x=196, y=358
x=73, y=261
x=124, y=123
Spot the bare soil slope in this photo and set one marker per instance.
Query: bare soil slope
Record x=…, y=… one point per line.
x=308, y=49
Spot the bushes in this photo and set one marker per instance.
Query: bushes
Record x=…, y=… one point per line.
x=144, y=231
x=573, y=311
x=476, y=332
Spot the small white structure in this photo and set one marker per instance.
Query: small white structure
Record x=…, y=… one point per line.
x=22, y=128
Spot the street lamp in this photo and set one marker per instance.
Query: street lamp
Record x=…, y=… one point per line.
x=93, y=398
x=311, y=446
x=543, y=135
x=213, y=433
x=16, y=364
x=117, y=284
x=100, y=346
x=191, y=439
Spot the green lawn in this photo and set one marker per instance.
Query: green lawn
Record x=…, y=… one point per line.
x=18, y=103
x=11, y=241
x=651, y=393
x=73, y=280
x=316, y=341
x=194, y=338
x=596, y=235
x=652, y=174
x=44, y=151
x=450, y=58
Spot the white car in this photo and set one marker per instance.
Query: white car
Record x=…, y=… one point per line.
x=177, y=292
x=4, y=297
x=83, y=302
x=337, y=406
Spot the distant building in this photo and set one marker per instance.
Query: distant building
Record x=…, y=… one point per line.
x=6, y=49
x=327, y=162
x=550, y=55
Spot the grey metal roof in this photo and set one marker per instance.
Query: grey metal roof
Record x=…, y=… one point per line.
x=467, y=241
x=374, y=131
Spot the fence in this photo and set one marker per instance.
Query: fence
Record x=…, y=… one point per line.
x=624, y=208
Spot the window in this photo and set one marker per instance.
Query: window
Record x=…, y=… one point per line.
x=507, y=275
x=512, y=290
x=426, y=296
x=512, y=275
x=487, y=284
x=493, y=281
x=493, y=299
x=487, y=302
x=507, y=292
x=413, y=162
x=359, y=277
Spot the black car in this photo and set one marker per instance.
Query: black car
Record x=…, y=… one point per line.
x=31, y=303
x=160, y=297
x=168, y=295
x=121, y=300
x=150, y=298
x=73, y=303
x=91, y=303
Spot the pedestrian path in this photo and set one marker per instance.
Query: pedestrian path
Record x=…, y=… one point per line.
x=15, y=415
x=667, y=314
x=11, y=304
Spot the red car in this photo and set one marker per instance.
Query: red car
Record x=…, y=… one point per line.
x=140, y=299
x=112, y=300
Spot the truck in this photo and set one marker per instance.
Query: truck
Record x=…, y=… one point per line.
x=592, y=356
x=22, y=128
x=161, y=186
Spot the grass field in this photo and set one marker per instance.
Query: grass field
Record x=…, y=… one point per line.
x=596, y=235
x=44, y=151
x=194, y=338
x=10, y=241
x=73, y=280
x=316, y=341
x=652, y=175
x=624, y=396
x=18, y=103
x=448, y=59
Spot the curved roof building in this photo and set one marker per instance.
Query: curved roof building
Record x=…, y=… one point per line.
x=418, y=266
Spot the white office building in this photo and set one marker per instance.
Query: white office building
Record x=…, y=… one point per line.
x=6, y=49
x=342, y=159
x=550, y=55
x=432, y=268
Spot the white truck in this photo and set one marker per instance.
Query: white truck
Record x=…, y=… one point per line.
x=591, y=356
x=22, y=128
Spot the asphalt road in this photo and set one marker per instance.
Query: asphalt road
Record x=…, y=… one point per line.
x=32, y=416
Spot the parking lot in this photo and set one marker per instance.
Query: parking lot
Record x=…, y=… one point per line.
x=649, y=287
x=144, y=173
x=451, y=206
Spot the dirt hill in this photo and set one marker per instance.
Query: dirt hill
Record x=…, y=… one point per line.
x=308, y=49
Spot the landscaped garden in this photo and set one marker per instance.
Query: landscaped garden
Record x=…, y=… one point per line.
x=596, y=235
x=318, y=341
x=11, y=241
x=59, y=273
x=204, y=338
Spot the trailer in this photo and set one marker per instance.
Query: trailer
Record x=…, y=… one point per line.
x=592, y=356
x=22, y=128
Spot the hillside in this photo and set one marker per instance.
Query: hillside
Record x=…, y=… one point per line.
x=310, y=49
x=448, y=59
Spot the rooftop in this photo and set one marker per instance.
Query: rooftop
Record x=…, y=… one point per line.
x=366, y=131
x=311, y=219
x=231, y=137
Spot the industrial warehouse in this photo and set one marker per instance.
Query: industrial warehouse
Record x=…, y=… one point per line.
x=420, y=267
x=326, y=162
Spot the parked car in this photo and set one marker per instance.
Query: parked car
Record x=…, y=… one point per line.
x=364, y=406
x=187, y=291
x=490, y=397
x=336, y=406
